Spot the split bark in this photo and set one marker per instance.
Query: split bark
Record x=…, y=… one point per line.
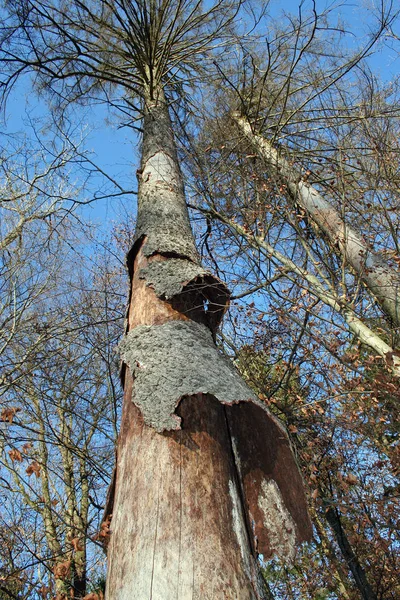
x=382, y=280
x=203, y=484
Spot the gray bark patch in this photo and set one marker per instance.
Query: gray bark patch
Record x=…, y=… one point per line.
x=174, y=277
x=163, y=220
x=174, y=360
x=277, y=521
x=169, y=277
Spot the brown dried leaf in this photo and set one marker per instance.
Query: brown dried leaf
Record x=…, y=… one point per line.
x=76, y=544
x=104, y=534
x=43, y=591
x=351, y=479
x=7, y=414
x=34, y=467
x=15, y=455
x=61, y=570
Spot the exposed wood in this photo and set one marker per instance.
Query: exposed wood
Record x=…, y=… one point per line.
x=146, y=307
x=181, y=524
x=179, y=530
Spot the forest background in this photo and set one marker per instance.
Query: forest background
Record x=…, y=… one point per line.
x=319, y=84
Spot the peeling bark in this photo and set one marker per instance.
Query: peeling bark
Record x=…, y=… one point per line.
x=175, y=360
x=181, y=516
x=271, y=482
x=184, y=283
x=382, y=280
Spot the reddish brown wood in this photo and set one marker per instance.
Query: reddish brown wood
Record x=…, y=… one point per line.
x=178, y=529
x=145, y=307
x=271, y=481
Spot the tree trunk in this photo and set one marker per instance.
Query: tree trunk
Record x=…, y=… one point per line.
x=334, y=564
x=351, y=559
x=321, y=290
x=186, y=516
x=179, y=530
x=379, y=278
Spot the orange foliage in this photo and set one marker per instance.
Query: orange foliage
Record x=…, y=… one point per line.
x=7, y=414
x=34, y=468
x=61, y=570
x=15, y=455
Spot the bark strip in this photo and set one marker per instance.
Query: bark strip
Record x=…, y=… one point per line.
x=162, y=360
x=271, y=482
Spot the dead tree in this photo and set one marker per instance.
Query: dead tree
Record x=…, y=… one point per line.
x=205, y=477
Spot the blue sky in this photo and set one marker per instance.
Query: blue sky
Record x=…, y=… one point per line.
x=116, y=149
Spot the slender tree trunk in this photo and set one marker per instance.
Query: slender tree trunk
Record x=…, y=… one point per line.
x=81, y=517
x=351, y=559
x=329, y=552
x=321, y=289
x=180, y=523
x=382, y=280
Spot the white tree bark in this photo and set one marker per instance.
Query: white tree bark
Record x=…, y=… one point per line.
x=327, y=295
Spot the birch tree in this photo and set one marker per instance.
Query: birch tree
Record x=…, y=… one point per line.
x=380, y=278
x=285, y=93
